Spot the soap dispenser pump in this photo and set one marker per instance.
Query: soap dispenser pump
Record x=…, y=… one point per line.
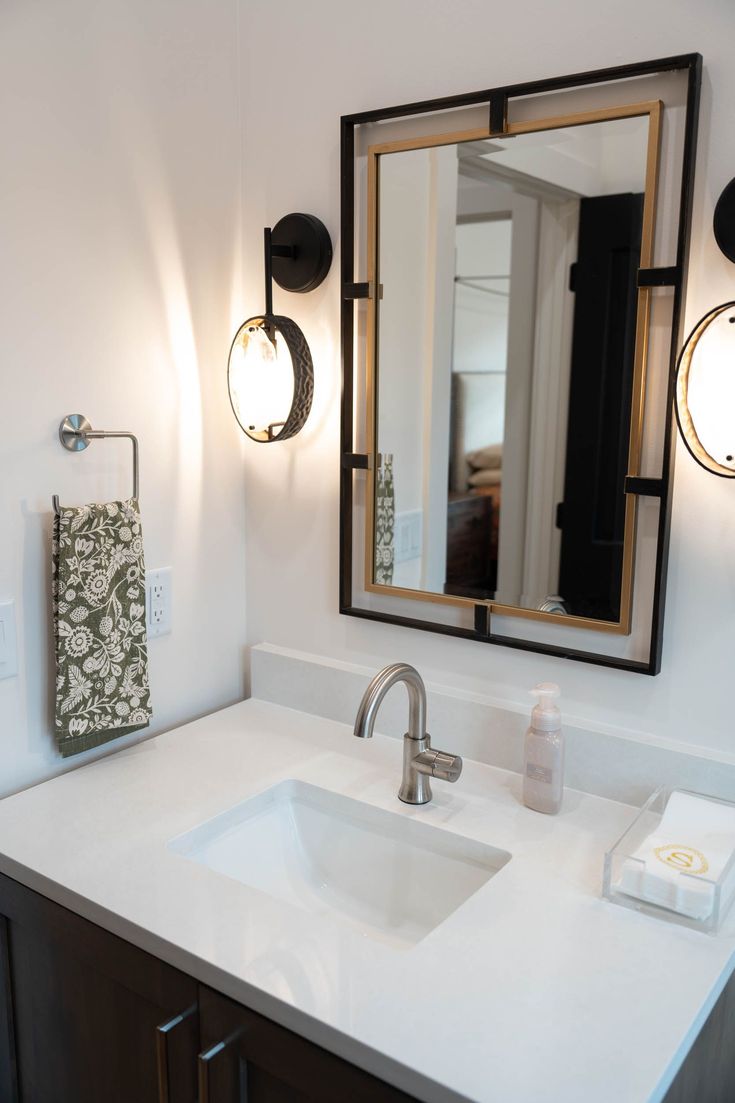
x=543, y=761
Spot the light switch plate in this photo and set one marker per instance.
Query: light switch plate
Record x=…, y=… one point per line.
x=158, y=590
x=8, y=646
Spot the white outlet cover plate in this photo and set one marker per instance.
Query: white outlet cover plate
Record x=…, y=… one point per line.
x=158, y=594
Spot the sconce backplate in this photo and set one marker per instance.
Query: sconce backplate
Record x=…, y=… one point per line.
x=310, y=247
x=724, y=221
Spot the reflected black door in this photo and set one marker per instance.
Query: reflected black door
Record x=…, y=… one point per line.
x=592, y=514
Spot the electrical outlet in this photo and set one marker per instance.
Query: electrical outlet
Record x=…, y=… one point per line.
x=158, y=601
x=407, y=541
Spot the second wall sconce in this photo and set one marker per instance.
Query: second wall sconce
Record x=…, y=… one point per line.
x=270, y=373
x=704, y=391
x=705, y=379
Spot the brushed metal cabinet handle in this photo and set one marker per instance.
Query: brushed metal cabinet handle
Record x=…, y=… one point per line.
x=162, y=1034
x=203, y=1062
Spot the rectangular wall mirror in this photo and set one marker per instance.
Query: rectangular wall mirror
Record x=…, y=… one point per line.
x=512, y=425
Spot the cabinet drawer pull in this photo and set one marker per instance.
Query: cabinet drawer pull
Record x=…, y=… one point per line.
x=204, y=1061
x=207, y=1056
x=162, y=1035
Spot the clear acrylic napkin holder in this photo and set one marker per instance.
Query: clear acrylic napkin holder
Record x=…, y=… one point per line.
x=693, y=899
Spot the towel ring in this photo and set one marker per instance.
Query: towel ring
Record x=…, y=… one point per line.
x=76, y=434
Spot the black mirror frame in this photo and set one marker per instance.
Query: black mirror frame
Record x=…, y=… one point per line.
x=675, y=277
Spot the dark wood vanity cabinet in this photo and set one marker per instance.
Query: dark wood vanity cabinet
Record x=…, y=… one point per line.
x=262, y=1062
x=81, y=1011
x=86, y=1017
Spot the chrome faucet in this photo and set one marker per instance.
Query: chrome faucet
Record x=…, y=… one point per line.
x=420, y=762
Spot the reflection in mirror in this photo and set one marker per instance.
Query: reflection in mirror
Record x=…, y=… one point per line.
x=506, y=340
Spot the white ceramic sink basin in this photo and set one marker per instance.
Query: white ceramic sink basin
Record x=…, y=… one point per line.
x=390, y=876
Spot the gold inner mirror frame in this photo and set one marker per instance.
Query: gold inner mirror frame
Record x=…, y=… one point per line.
x=653, y=111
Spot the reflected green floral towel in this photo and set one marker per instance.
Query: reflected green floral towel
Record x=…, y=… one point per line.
x=98, y=591
x=385, y=521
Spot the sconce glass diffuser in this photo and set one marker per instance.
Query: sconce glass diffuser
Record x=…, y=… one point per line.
x=705, y=391
x=270, y=377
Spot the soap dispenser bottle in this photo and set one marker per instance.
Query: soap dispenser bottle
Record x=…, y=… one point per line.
x=543, y=760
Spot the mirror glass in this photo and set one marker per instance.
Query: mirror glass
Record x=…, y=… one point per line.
x=505, y=352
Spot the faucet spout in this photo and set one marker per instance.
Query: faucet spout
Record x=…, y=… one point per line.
x=376, y=691
x=420, y=761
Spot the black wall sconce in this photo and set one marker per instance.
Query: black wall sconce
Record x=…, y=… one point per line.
x=270, y=373
x=705, y=379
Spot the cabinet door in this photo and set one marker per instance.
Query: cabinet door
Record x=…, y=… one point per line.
x=8, y=1068
x=249, y=1059
x=86, y=1012
x=708, y=1072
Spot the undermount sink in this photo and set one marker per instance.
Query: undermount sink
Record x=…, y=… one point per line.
x=390, y=876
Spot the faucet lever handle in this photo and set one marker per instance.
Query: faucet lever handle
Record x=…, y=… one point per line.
x=448, y=767
x=439, y=764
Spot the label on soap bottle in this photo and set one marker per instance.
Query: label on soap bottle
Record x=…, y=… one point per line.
x=538, y=773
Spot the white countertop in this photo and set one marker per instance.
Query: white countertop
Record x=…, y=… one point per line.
x=535, y=989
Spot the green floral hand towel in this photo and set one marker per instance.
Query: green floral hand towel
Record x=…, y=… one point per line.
x=98, y=591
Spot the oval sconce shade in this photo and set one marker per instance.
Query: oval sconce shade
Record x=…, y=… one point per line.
x=705, y=391
x=270, y=374
x=270, y=377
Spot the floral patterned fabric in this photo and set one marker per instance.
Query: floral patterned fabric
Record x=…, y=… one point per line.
x=98, y=591
x=385, y=521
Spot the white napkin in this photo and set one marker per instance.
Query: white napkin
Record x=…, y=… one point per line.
x=676, y=866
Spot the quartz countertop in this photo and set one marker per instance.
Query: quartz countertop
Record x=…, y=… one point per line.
x=534, y=989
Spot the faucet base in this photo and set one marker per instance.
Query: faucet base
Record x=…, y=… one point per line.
x=420, y=795
x=416, y=785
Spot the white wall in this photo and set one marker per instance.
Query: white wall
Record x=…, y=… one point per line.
x=120, y=287
x=481, y=308
x=405, y=182
x=418, y=215
x=341, y=57
x=437, y=382
x=120, y=199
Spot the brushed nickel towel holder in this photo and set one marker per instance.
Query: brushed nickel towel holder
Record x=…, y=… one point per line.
x=76, y=434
